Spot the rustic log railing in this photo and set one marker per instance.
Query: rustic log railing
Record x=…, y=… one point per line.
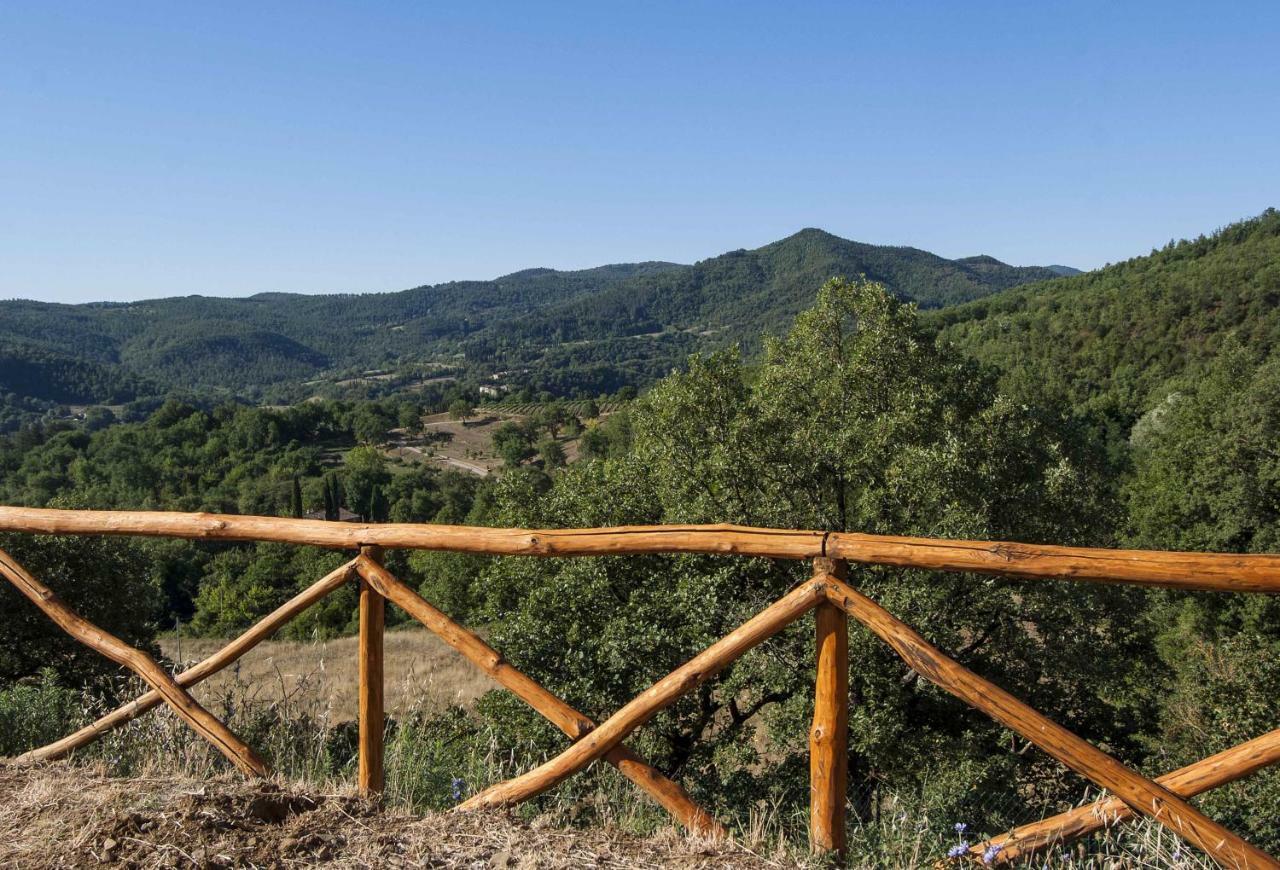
x=827, y=593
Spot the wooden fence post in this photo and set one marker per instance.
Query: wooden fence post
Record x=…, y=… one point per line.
x=1081, y=756
x=829, y=738
x=371, y=778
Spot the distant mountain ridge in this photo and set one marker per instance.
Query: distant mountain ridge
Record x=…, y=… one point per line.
x=745, y=293
x=537, y=316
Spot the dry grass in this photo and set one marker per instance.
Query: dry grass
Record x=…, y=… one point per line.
x=63, y=816
x=321, y=677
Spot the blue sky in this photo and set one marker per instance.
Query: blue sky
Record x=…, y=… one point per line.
x=227, y=149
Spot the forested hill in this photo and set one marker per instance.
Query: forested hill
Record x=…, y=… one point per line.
x=1115, y=342
x=538, y=318
x=197, y=341
x=741, y=294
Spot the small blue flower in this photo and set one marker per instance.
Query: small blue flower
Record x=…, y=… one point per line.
x=458, y=785
x=958, y=850
x=961, y=827
x=992, y=851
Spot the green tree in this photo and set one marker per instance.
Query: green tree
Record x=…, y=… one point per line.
x=1207, y=477
x=244, y=583
x=365, y=476
x=854, y=422
x=513, y=442
x=409, y=416
x=552, y=453
x=371, y=424
x=295, y=498
x=99, y=579
x=460, y=409
x=332, y=488
x=98, y=417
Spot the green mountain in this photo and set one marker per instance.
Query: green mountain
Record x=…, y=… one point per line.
x=1116, y=341
x=592, y=330
x=201, y=342
x=745, y=293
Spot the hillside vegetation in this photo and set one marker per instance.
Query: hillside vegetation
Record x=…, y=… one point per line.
x=576, y=328
x=1118, y=340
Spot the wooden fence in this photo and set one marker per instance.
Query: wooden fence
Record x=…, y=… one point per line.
x=827, y=593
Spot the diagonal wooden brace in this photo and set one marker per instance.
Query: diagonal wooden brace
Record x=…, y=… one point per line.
x=1202, y=776
x=229, y=654
x=200, y=719
x=663, y=693
x=665, y=791
x=1138, y=792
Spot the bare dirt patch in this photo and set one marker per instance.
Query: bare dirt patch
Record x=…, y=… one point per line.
x=64, y=816
x=465, y=445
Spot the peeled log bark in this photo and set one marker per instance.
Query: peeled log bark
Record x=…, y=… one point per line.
x=666, y=691
x=829, y=737
x=370, y=776
x=619, y=540
x=1205, y=775
x=1215, y=571
x=200, y=719
x=1137, y=791
x=1222, y=572
x=666, y=792
x=228, y=655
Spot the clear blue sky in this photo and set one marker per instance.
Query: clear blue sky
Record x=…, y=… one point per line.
x=152, y=149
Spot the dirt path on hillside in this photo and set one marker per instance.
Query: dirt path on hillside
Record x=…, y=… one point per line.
x=64, y=816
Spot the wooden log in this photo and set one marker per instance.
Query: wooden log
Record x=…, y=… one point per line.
x=224, y=657
x=1222, y=572
x=1204, y=775
x=200, y=719
x=1212, y=571
x=640, y=709
x=372, y=720
x=1140, y=793
x=619, y=540
x=666, y=792
x=829, y=737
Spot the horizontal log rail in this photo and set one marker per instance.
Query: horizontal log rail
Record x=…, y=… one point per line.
x=1163, y=799
x=1224, y=572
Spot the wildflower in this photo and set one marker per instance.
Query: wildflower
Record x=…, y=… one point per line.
x=961, y=827
x=959, y=849
x=992, y=851
x=458, y=785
